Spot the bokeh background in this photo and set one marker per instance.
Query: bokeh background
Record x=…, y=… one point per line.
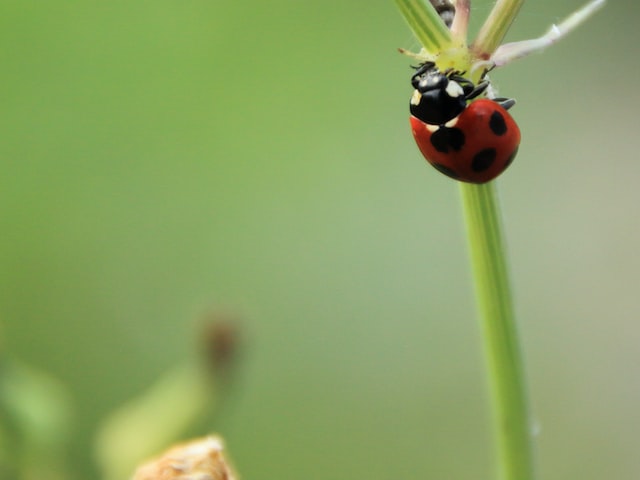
x=164, y=158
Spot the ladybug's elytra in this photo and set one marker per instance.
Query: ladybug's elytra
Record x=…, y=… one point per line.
x=471, y=142
x=475, y=147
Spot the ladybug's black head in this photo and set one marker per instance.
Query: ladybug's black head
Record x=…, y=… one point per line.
x=438, y=96
x=428, y=77
x=441, y=96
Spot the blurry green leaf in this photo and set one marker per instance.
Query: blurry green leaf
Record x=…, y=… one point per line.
x=35, y=418
x=151, y=422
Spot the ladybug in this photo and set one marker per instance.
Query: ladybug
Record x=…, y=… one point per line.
x=471, y=142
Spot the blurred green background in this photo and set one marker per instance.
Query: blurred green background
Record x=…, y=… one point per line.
x=161, y=158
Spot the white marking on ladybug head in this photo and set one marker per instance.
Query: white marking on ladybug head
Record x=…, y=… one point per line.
x=454, y=89
x=432, y=128
x=452, y=123
x=416, y=97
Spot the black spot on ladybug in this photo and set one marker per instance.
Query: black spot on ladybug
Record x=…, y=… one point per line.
x=511, y=157
x=445, y=139
x=497, y=123
x=445, y=170
x=483, y=159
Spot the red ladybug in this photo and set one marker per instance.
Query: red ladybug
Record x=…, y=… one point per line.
x=471, y=142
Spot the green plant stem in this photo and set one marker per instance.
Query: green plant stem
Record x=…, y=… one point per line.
x=495, y=27
x=426, y=24
x=503, y=358
x=504, y=363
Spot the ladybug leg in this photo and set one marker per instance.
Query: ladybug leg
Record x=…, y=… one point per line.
x=477, y=90
x=423, y=68
x=509, y=52
x=457, y=76
x=466, y=84
x=470, y=90
x=505, y=103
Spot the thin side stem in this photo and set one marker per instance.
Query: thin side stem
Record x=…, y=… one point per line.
x=512, y=51
x=503, y=357
x=460, y=23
